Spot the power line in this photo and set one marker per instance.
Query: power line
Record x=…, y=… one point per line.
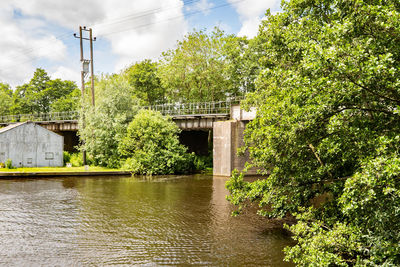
x=142, y=14
x=119, y=20
x=133, y=16
x=172, y=18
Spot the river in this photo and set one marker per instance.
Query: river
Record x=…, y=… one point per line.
x=174, y=220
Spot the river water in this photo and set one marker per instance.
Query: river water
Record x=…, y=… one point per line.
x=174, y=220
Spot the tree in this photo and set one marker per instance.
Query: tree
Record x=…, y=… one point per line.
x=200, y=68
x=67, y=103
x=152, y=146
x=327, y=128
x=103, y=126
x=5, y=99
x=143, y=78
x=41, y=92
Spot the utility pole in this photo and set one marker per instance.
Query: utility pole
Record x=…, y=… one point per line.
x=85, y=62
x=85, y=71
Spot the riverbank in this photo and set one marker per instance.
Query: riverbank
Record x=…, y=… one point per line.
x=60, y=171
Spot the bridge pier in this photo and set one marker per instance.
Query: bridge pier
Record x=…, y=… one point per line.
x=228, y=137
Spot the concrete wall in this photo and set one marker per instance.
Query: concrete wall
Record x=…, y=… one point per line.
x=242, y=115
x=222, y=154
x=29, y=145
x=228, y=138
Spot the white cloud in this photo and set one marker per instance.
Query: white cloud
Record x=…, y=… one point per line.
x=147, y=35
x=251, y=13
x=19, y=46
x=203, y=6
x=250, y=27
x=66, y=73
x=66, y=13
x=135, y=30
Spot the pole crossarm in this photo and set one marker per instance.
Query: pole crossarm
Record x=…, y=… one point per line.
x=171, y=109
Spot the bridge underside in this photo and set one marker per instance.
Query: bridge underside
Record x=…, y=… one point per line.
x=199, y=142
x=196, y=132
x=198, y=122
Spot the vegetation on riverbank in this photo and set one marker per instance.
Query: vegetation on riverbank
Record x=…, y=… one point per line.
x=328, y=128
x=151, y=146
x=58, y=169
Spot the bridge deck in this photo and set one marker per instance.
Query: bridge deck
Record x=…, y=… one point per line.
x=186, y=115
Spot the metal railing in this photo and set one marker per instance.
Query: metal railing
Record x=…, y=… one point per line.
x=201, y=108
x=55, y=116
x=175, y=109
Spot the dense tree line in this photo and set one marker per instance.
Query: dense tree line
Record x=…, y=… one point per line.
x=40, y=95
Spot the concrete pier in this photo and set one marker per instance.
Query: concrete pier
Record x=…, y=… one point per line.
x=228, y=137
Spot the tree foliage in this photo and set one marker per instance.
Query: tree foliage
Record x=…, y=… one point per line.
x=203, y=67
x=5, y=99
x=327, y=128
x=103, y=126
x=152, y=146
x=43, y=95
x=143, y=78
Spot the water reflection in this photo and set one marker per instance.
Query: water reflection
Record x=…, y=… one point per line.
x=106, y=221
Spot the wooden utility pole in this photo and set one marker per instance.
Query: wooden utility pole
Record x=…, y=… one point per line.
x=84, y=72
x=91, y=64
x=84, y=61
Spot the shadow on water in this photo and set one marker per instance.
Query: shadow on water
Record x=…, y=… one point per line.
x=163, y=220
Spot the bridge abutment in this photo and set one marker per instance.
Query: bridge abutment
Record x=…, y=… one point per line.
x=228, y=137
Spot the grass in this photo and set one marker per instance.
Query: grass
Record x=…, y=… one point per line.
x=58, y=169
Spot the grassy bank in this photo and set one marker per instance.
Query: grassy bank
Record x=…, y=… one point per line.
x=59, y=169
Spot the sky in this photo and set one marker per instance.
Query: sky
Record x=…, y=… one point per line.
x=39, y=33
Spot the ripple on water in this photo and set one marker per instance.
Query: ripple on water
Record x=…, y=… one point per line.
x=130, y=221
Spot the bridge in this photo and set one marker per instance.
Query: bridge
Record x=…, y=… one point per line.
x=188, y=116
x=198, y=122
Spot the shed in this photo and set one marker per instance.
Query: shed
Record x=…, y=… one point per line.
x=30, y=145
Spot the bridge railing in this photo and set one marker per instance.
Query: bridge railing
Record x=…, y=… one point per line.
x=55, y=116
x=175, y=109
x=203, y=108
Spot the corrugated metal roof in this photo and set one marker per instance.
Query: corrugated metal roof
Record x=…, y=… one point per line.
x=11, y=126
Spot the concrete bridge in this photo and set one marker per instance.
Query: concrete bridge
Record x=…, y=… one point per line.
x=224, y=121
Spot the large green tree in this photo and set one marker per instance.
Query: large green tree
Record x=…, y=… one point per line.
x=203, y=67
x=327, y=130
x=42, y=92
x=142, y=76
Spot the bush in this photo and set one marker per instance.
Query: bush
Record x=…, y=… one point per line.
x=76, y=159
x=151, y=146
x=67, y=157
x=8, y=164
x=202, y=163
